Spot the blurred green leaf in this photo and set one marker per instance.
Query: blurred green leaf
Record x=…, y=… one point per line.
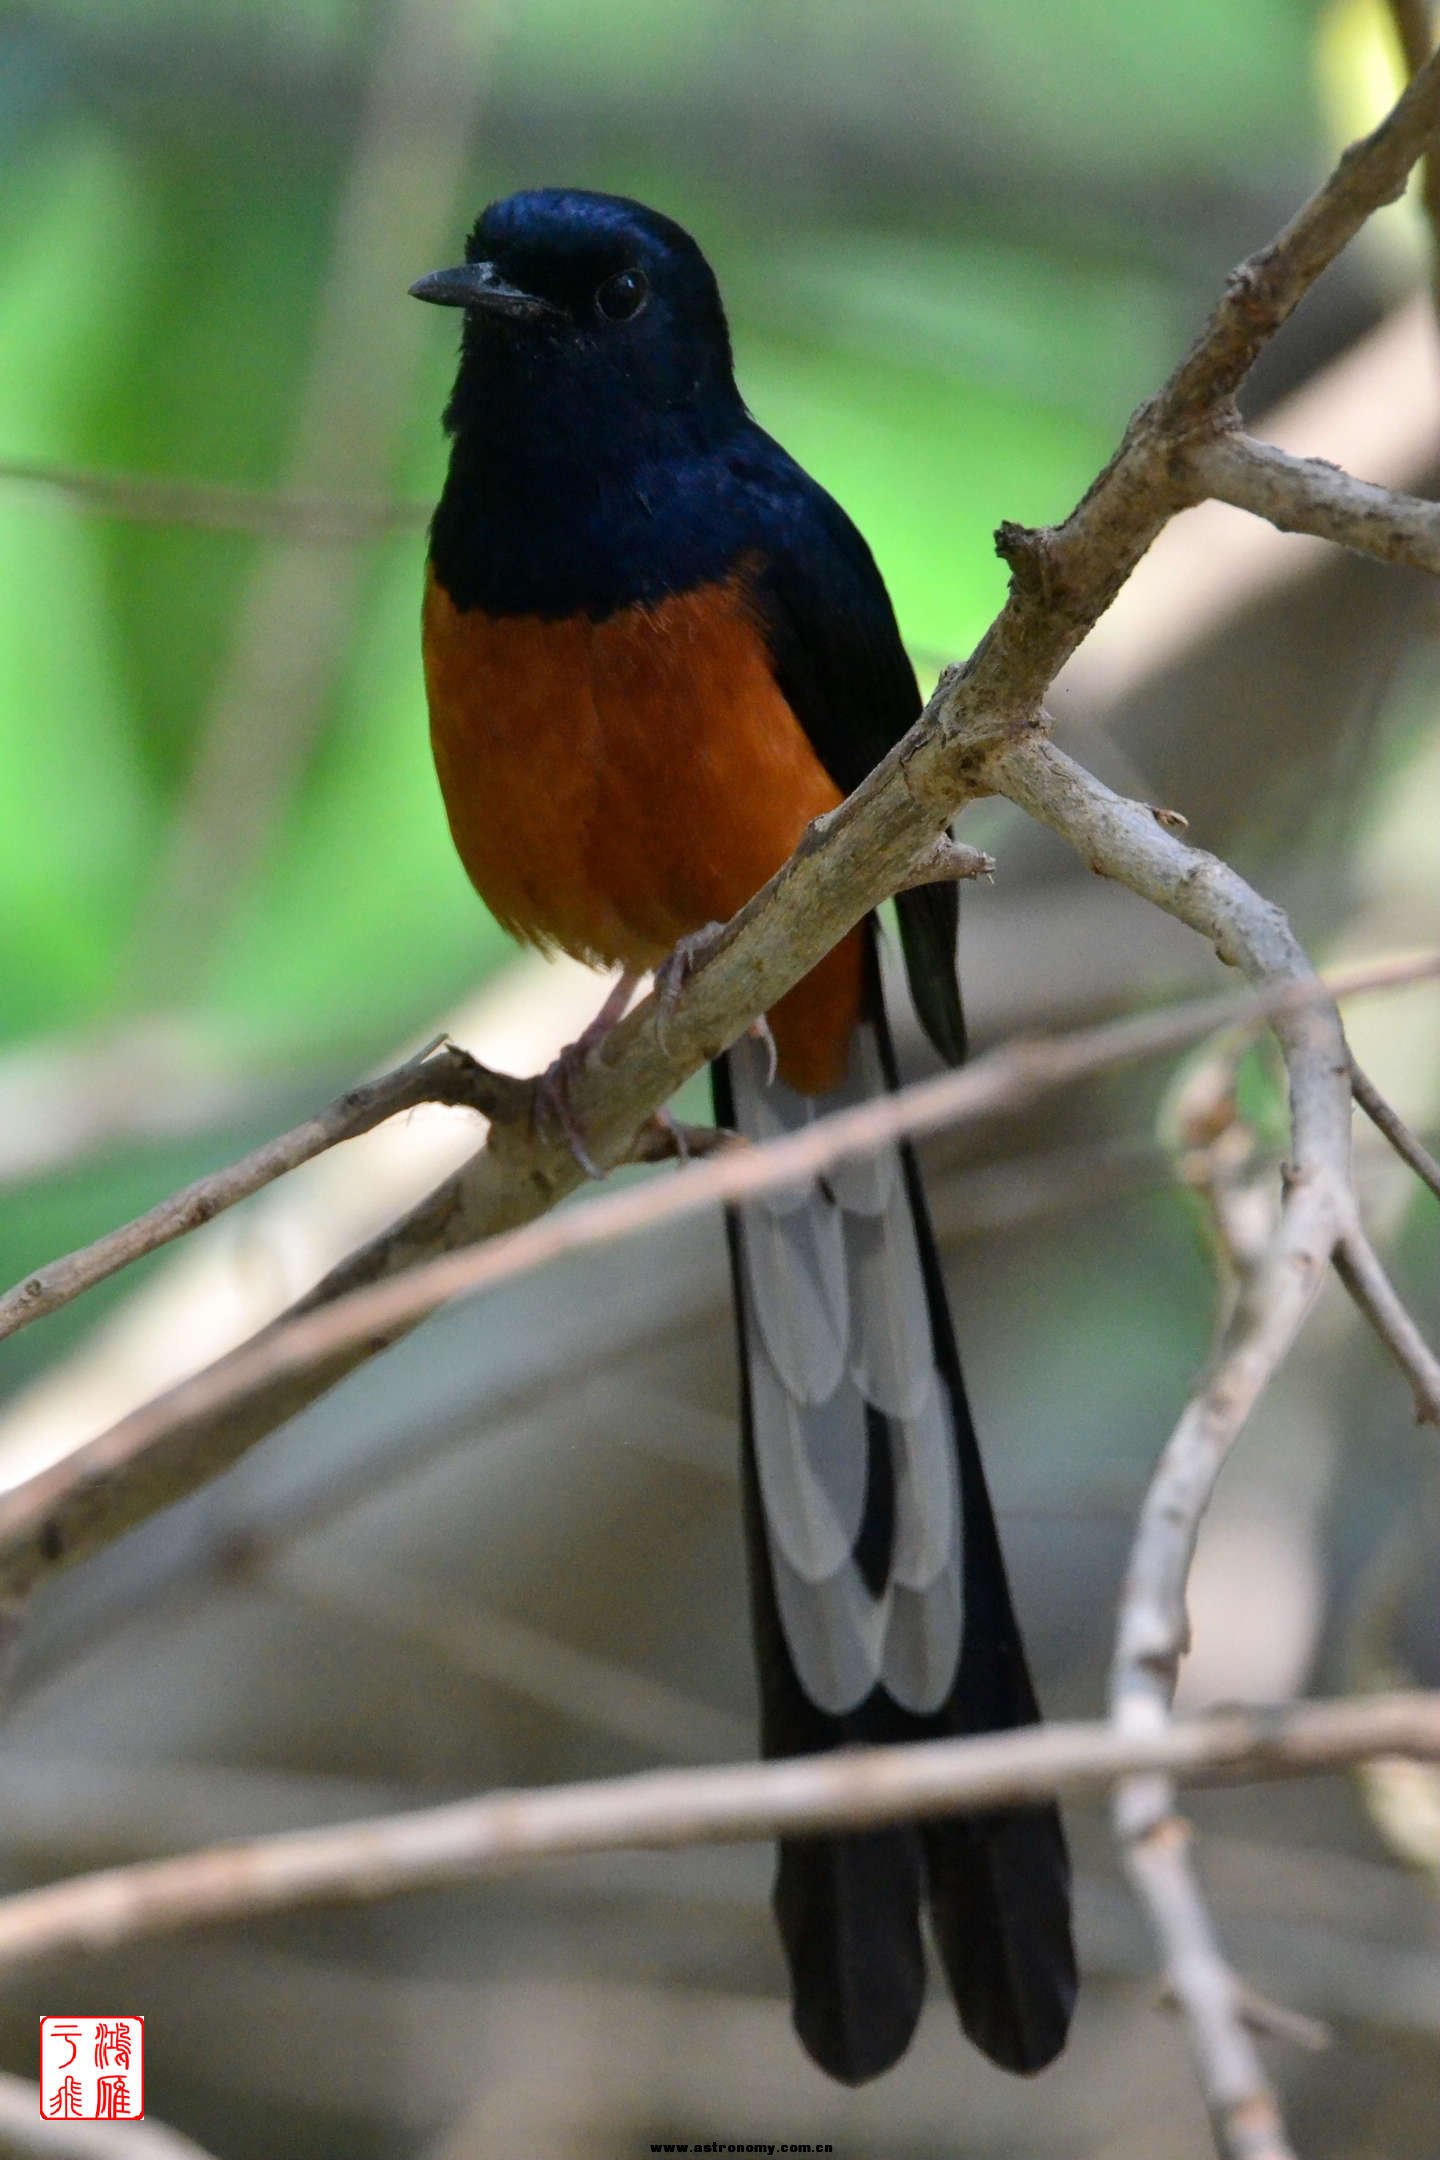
x=926, y=464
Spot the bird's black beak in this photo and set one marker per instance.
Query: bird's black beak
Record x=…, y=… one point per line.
x=480, y=285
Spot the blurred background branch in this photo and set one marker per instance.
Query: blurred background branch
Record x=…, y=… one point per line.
x=1384, y=1118
x=851, y=1788
x=296, y=619
x=266, y=512
x=443, y=1075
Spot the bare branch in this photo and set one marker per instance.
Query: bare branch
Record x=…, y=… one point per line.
x=1270, y=1272
x=1308, y=496
x=144, y=499
x=1359, y=1267
x=1242, y=2106
x=170, y=1446
x=1267, y=289
x=471, y=1840
x=1277, y=2021
x=450, y=1076
x=454, y=1078
x=1387, y=1120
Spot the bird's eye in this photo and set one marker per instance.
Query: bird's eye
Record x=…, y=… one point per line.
x=623, y=295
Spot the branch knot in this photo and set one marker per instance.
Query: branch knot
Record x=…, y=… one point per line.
x=1030, y=552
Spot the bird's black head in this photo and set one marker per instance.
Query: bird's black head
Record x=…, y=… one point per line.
x=585, y=312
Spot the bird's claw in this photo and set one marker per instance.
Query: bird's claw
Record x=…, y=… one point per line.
x=553, y=1088
x=761, y=1031
x=552, y=1102
x=677, y=967
x=672, y=975
x=664, y=1138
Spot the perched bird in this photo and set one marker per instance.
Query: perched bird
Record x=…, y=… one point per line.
x=654, y=650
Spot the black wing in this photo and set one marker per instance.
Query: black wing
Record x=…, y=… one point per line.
x=839, y=659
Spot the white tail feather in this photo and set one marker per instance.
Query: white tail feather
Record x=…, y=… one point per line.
x=838, y=1328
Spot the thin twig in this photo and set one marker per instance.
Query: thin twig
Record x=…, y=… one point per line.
x=1277, y=2021
x=1387, y=1120
x=450, y=1076
x=1360, y=1269
x=1305, y=495
x=1415, y=30
x=947, y=862
x=470, y=1840
x=146, y=499
x=1267, y=1294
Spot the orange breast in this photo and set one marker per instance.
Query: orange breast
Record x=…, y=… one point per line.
x=612, y=786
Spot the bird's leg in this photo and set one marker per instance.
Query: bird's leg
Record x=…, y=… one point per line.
x=552, y=1089
x=611, y=1013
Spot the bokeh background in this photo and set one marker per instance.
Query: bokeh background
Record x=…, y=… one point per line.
x=959, y=243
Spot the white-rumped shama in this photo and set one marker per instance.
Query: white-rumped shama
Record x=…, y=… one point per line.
x=654, y=650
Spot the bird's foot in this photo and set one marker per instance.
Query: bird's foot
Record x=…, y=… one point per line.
x=554, y=1088
x=674, y=972
x=676, y=969
x=664, y=1138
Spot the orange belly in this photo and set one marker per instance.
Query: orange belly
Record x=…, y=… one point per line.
x=612, y=786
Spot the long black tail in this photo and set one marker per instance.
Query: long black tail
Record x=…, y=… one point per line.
x=880, y=1604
